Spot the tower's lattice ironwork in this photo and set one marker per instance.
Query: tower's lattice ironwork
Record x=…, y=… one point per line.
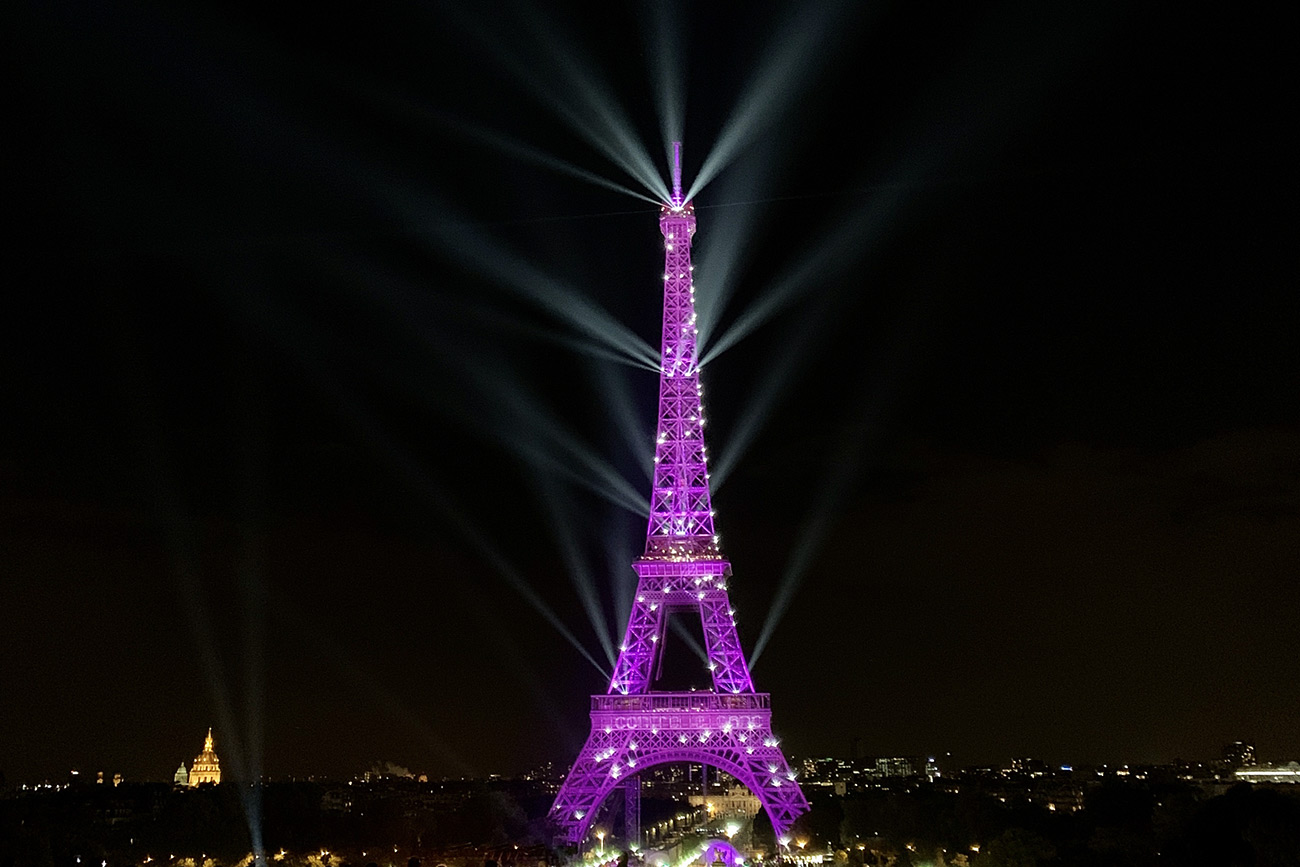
x=633, y=726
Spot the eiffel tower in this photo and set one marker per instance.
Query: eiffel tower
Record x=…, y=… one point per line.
x=633, y=726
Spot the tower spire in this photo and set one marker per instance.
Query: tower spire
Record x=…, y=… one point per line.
x=681, y=511
x=677, y=174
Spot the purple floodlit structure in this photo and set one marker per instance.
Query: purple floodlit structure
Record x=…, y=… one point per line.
x=720, y=850
x=633, y=726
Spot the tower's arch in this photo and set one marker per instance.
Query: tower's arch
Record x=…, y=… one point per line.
x=767, y=776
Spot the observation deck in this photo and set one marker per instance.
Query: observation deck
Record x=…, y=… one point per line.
x=671, y=702
x=694, y=717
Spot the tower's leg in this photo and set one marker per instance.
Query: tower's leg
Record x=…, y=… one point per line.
x=632, y=671
x=632, y=812
x=726, y=659
x=593, y=775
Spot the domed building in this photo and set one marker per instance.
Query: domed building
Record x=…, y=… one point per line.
x=206, y=767
x=182, y=776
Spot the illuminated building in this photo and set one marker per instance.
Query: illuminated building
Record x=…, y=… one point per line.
x=182, y=776
x=1029, y=767
x=737, y=801
x=634, y=726
x=896, y=766
x=206, y=767
x=1239, y=754
x=841, y=775
x=1288, y=773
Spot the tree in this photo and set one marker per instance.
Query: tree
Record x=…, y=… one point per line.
x=1016, y=847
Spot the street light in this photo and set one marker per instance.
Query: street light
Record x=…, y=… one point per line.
x=600, y=835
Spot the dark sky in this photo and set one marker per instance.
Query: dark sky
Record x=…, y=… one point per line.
x=1033, y=442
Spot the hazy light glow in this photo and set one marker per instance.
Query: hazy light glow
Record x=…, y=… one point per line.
x=542, y=442
x=620, y=549
x=454, y=516
x=515, y=419
x=563, y=520
x=833, y=255
x=511, y=147
x=771, y=386
x=532, y=433
x=577, y=345
x=800, y=45
x=565, y=73
x=664, y=35
x=680, y=630
x=461, y=241
x=722, y=850
x=876, y=389
x=731, y=229
x=507, y=270
x=964, y=114
x=171, y=514
x=289, y=328
x=811, y=535
x=370, y=683
x=635, y=430
x=254, y=592
x=519, y=150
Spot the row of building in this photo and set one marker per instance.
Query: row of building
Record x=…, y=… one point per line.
x=843, y=776
x=1238, y=763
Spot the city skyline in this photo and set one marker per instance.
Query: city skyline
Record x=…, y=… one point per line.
x=331, y=414
x=912, y=764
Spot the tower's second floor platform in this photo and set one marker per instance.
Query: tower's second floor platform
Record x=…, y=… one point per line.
x=703, y=712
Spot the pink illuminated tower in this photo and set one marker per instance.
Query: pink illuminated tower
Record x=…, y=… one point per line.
x=634, y=726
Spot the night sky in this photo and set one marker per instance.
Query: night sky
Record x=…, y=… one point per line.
x=284, y=453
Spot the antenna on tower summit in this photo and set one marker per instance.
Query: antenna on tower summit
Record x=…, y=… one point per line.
x=677, y=174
